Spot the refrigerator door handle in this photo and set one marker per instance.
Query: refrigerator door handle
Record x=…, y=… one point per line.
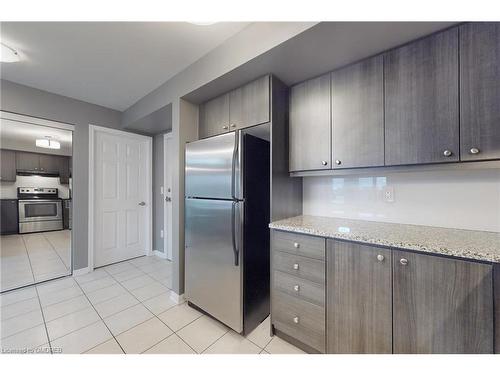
x=233, y=166
x=233, y=234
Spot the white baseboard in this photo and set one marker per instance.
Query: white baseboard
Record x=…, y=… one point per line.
x=160, y=254
x=176, y=298
x=81, y=271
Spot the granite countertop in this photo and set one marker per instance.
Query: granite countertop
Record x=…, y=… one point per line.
x=468, y=244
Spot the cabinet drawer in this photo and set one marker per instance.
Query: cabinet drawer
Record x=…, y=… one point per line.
x=306, y=268
x=302, y=320
x=299, y=244
x=300, y=288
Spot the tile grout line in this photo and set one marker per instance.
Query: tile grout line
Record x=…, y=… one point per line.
x=55, y=251
x=44, y=322
x=29, y=260
x=212, y=344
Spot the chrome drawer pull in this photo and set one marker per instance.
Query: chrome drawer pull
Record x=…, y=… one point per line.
x=296, y=288
x=380, y=257
x=296, y=266
x=296, y=320
x=403, y=261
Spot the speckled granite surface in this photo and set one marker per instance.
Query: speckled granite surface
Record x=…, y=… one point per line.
x=468, y=244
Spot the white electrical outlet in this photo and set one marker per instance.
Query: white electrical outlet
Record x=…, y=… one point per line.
x=388, y=194
x=161, y=233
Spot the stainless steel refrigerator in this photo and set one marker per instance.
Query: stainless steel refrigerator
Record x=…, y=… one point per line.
x=226, y=228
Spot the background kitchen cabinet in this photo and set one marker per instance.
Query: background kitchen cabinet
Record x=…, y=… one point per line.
x=249, y=104
x=441, y=305
x=214, y=117
x=49, y=163
x=309, y=129
x=358, y=115
x=480, y=91
x=8, y=165
x=27, y=161
x=64, y=169
x=9, y=223
x=359, y=289
x=421, y=101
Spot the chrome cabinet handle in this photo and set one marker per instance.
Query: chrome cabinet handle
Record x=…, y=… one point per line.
x=338, y=162
x=296, y=288
x=225, y=127
x=142, y=203
x=233, y=126
x=296, y=320
x=403, y=261
x=380, y=257
x=474, y=150
x=296, y=245
x=447, y=153
x=168, y=199
x=324, y=162
x=296, y=266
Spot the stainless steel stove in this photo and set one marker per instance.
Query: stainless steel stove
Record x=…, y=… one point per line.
x=40, y=209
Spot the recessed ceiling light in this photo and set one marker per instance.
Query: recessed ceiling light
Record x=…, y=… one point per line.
x=48, y=142
x=202, y=23
x=8, y=54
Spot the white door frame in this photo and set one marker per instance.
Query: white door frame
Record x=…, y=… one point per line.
x=93, y=129
x=167, y=224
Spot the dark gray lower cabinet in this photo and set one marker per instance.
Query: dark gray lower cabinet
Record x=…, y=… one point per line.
x=359, y=298
x=441, y=305
x=8, y=166
x=9, y=223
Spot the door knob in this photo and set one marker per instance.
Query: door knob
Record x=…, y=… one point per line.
x=324, y=162
x=474, y=150
x=380, y=257
x=142, y=203
x=403, y=261
x=338, y=162
x=447, y=153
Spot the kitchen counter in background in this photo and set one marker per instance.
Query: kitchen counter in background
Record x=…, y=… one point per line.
x=484, y=246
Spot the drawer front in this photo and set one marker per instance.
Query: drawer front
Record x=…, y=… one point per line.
x=305, y=268
x=299, y=244
x=300, y=288
x=299, y=319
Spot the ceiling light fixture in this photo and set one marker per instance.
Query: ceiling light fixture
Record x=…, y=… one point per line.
x=8, y=54
x=48, y=142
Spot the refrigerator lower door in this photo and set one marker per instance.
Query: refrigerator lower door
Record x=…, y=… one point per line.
x=213, y=277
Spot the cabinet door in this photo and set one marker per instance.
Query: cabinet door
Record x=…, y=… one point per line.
x=441, y=305
x=309, y=132
x=358, y=115
x=27, y=161
x=9, y=222
x=214, y=117
x=64, y=169
x=49, y=163
x=8, y=165
x=359, y=298
x=480, y=91
x=421, y=101
x=249, y=104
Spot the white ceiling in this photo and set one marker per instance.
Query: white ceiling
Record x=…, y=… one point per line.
x=112, y=64
x=21, y=136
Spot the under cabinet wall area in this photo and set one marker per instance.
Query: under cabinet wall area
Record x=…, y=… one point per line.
x=431, y=101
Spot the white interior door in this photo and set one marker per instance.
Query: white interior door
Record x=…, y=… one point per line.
x=167, y=191
x=122, y=220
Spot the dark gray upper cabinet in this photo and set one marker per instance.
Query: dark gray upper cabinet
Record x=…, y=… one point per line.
x=309, y=128
x=8, y=166
x=359, y=297
x=249, y=104
x=64, y=169
x=480, y=91
x=441, y=305
x=421, y=101
x=27, y=161
x=49, y=163
x=214, y=117
x=358, y=115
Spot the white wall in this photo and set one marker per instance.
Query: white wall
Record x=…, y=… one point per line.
x=453, y=199
x=8, y=190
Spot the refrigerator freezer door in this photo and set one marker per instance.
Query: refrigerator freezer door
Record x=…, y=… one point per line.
x=209, y=167
x=213, y=281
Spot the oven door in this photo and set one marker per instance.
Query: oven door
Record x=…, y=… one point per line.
x=40, y=210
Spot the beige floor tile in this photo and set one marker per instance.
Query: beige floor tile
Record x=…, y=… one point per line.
x=69, y=306
x=104, y=294
x=82, y=340
x=149, y=291
x=179, y=316
x=264, y=352
x=19, y=308
x=127, y=275
x=233, y=343
x=261, y=336
x=137, y=282
x=279, y=346
x=101, y=283
x=108, y=347
x=160, y=303
x=202, y=333
x=119, y=267
x=143, y=336
x=51, y=286
x=127, y=319
x=15, y=296
x=60, y=295
x=91, y=276
x=171, y=345
x=20, y=323
x=28, y=339
x=115, y=305
x=71, y=322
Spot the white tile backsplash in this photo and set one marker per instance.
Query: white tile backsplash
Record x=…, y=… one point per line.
x=8, y=190
x=452, y=199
